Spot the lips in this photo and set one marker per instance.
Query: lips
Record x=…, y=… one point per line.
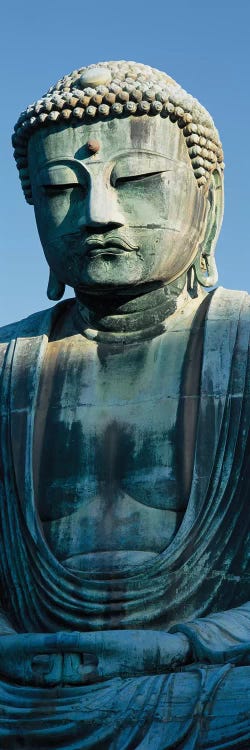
x=112, y=245
x=96, y=251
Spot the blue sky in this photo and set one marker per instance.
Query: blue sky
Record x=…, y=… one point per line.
x=204, y=46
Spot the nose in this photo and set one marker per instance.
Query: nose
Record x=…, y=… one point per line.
x=101, y=207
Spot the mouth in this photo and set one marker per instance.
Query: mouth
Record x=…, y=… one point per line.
x=108, y=245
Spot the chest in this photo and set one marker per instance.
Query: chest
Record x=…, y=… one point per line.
x=110, y=420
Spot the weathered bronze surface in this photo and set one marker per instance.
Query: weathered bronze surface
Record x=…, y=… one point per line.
x=124, y=567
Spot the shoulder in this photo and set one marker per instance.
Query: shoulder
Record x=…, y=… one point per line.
x=227, y=321
x=34, y=325
x=226, y=343
x=31, y=327
x=229, y=300
x=229, y=307
x=24, y=328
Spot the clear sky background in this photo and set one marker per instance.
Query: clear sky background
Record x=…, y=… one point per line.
x=205, y=46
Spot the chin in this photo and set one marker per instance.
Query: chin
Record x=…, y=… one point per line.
x=107, y=273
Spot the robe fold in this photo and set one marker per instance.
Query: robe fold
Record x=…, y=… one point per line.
x=199, y=585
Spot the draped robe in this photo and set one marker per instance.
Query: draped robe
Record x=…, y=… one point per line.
x=199, y=585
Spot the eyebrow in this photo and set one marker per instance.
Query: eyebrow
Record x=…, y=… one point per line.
x=73, y=161
x=60, y=161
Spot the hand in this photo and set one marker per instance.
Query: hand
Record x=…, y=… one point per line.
x=47, y=660
x=128, y=653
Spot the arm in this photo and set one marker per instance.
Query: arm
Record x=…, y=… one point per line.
x=220, y=637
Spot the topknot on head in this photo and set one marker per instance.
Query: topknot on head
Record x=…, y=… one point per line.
x=116, y=89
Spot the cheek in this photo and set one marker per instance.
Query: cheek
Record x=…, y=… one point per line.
x=177, y=245
x=62, y=259
x=162, y=201
x=144, y=204
x=56, y=215
x=55, y=251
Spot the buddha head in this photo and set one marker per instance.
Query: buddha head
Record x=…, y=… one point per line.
x=125, y=172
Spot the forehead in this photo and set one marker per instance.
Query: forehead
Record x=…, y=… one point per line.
x=154, y=134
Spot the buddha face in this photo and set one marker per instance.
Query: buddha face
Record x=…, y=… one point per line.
x=127, y=213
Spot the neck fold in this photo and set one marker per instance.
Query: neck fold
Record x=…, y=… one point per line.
x=127, y=319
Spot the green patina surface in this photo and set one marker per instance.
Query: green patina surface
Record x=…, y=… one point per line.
x=124, y=578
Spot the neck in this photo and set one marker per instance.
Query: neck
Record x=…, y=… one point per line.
x=120, y=319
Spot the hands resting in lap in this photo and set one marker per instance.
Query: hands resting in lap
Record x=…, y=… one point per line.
x=46, y=660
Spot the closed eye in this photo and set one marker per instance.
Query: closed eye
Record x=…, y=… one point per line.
x=136, y=177
x=56, y=189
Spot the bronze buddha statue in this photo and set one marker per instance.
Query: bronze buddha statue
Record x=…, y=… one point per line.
x=125, y=414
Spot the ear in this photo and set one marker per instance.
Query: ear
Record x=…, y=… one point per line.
x=55, y=288
x=205, y=265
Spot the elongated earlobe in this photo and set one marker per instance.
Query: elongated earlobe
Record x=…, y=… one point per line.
x=206, y=270
x=204, y=266
x=56, y=288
